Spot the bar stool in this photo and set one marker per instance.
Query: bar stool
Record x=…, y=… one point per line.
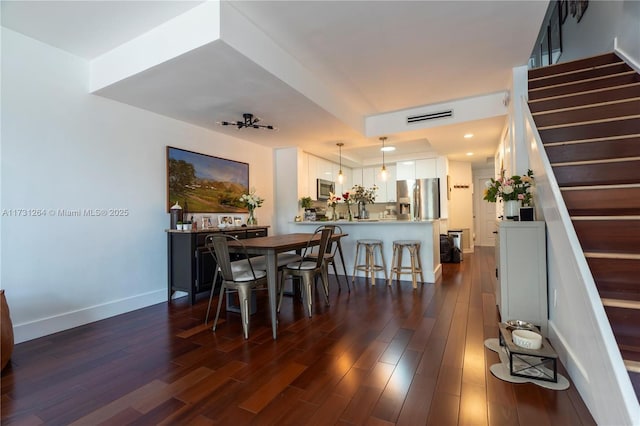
x=416, y=265
x=370, y=266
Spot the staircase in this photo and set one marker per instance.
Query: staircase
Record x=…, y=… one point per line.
x=588, y=115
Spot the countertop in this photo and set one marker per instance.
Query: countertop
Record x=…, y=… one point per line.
x=366, y=222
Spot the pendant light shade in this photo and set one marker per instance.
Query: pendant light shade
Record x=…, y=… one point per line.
x=340, y=175
x=383, y=172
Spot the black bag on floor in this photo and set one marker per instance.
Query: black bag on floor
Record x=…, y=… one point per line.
x=456, y=255
x=446, y=248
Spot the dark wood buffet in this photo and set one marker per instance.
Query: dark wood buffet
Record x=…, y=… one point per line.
x=190, y=265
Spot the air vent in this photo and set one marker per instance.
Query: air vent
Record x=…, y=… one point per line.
x=426, y=117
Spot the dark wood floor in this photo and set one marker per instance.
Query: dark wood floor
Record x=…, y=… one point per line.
x=376, y=356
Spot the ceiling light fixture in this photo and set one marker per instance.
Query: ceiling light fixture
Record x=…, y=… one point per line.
x=388, y=148
x=249, y=121
x=340, y=175
x=468, y=135
x=383, y=172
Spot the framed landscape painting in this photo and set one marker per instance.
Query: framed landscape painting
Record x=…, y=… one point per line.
x=203, y=183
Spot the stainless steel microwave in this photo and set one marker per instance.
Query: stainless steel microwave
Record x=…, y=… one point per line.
x=324, y=188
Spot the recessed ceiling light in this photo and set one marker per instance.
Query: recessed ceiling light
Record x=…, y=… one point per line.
x=407, y=163
x=468, y=136
x=469, y=154
x=388, y=148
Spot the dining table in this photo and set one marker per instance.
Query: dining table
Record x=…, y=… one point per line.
x=270, y=247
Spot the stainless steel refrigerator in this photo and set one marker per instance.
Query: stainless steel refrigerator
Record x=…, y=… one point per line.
x=418, y=199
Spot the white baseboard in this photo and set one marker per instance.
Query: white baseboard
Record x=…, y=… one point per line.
x=68, y=320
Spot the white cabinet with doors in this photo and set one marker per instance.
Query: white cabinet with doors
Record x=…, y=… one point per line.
x=370, y=176
x=426, y=168
x=521, y=272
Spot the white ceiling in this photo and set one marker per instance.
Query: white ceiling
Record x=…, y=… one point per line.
x=377, y=56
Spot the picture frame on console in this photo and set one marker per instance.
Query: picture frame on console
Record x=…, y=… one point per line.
x=225, y=221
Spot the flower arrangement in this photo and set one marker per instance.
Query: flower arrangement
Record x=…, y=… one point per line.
x=333, y=200
x=251, y=201
x=364, y=195
x=346, y=197
x=510, y=189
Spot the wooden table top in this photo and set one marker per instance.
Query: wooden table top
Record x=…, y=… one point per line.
x=284, y=242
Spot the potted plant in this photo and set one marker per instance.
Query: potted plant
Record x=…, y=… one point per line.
x=179, y=226
x=305, y=202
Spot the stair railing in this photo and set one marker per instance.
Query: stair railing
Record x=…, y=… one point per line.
x=578, y=326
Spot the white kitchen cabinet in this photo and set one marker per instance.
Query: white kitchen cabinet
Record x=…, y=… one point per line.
x=368, y=177
x=391, y=183
x=521, y=272
x=426, y=168
x=312, y=173
x=325, y=170
x=346, y=184
x=405, y=170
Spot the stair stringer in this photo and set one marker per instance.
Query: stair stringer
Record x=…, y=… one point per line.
x=579, y=328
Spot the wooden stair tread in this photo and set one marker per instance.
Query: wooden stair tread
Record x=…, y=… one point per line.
x=580, y=75
x=595, y=161
x=589, y=97
x=588, y=114
x=599, y=200
x=612, y=236
x=629, y=77
x=623, y=172
x=632, y=361
x=624, y=322
x=617, y=294
x=590, y=132
x=580, y=64
x=594, y=150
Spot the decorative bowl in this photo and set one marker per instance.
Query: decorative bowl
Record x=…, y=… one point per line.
x=526, y=339
x=519, y=324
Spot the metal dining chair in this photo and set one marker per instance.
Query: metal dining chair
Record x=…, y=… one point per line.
x=308, y=270
x=333, y=248
x=241, y=280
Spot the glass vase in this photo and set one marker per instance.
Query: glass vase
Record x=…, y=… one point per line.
x=252, y=220
x=334, y=215
x=349, y=212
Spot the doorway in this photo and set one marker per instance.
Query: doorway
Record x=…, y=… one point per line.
x=485, y=218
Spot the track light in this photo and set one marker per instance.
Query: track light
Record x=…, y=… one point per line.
x=249, y=121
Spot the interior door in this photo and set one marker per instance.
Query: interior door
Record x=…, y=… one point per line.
x=485, y=217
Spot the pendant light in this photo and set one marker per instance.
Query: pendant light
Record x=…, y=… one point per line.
x=340, y=175
x=383, y=172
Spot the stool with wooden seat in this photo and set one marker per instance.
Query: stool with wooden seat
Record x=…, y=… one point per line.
x=415, y=267
x=369, y=266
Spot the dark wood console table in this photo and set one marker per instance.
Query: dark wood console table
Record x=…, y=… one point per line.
x=190, y=265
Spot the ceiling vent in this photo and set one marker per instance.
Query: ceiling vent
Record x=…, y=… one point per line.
x=427, y=117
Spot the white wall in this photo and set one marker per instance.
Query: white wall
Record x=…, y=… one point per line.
x=63, y=148
x=600, y=24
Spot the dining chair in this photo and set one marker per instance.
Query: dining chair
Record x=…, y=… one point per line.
x=259, y=263
x=240, y=280
x=308, y=270
x=330, y=254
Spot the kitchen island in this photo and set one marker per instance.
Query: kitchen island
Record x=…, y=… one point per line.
x=426, y=231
